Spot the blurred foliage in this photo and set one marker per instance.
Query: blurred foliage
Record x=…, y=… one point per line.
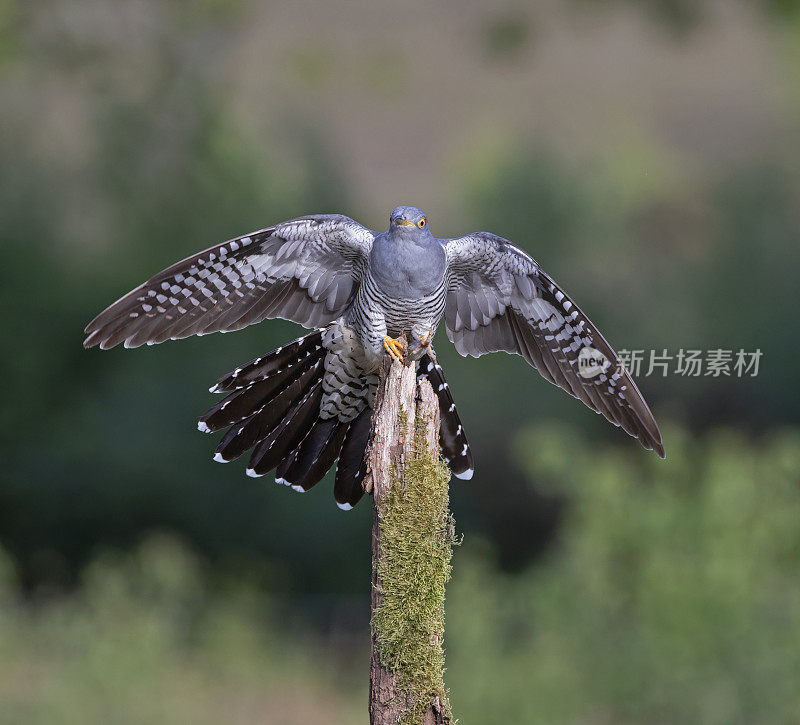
x=679, y=17
x=147, y=641
x=672, y=596
x=385, y=74
x=506, y=34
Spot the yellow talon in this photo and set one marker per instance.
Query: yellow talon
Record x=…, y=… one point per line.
x=393, y=347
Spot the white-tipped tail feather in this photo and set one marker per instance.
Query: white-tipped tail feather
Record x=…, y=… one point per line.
x=274, y=408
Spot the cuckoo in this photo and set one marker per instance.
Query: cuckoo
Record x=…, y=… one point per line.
x=306, y=406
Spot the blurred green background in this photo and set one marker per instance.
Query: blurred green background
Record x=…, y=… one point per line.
x=646, y=154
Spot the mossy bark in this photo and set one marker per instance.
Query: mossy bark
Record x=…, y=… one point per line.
x=412, y=540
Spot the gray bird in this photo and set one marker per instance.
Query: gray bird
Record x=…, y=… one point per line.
x=307, y=405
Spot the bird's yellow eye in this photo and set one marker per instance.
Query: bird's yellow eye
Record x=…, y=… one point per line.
x=421, y=223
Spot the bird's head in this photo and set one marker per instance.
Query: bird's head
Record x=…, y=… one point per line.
x=408, y=220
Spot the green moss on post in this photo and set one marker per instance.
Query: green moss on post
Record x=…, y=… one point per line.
x=412, y=544
x=417, y=535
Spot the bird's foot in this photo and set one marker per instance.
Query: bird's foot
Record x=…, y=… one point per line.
x=424, y=346
x=393, y=347
x=427, y=345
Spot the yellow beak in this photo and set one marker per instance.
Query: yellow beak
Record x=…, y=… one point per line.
x=404, y=223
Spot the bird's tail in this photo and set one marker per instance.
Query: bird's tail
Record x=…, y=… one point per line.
x=452, y=439
x=272, y=406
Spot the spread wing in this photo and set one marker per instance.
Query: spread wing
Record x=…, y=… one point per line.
x=304, y=270
x=498, y=298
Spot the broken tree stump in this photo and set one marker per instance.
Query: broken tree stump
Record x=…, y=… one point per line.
x=412, y=540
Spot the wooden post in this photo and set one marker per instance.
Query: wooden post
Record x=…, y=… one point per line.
x=412, y=539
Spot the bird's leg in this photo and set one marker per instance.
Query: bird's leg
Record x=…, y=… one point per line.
x=393, y=347
x=423, y=346
x=427, y=344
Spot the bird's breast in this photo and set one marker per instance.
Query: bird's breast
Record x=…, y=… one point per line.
x=407, y=271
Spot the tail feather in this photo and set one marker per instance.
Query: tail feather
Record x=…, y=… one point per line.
x=244, y=435
x=273, y=408
x=285, y=436
x=274, y=394
x=351, y=466
x=315, y=455
x=452, y=439
x=276, y=361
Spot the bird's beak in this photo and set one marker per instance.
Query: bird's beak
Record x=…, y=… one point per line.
x=404, y=223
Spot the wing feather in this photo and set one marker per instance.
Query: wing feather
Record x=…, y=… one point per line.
x=499, y=299
x=305, y=270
